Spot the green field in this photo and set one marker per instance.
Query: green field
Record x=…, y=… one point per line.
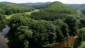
x=28, y=13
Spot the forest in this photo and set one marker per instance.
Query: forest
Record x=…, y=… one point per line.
x=48, y=25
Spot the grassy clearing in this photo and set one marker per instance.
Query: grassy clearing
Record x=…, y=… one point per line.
x=28, y=13
x=9, y=16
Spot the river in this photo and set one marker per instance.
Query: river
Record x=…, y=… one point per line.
x=3, y=43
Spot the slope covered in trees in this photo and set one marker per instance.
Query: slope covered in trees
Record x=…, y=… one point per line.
x=56, y=10
x=11, y=8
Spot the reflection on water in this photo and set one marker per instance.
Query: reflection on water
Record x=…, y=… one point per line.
x=2, y=42
x=2, y=35
x=5, y=30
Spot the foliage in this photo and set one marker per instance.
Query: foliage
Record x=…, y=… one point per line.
x=81, y=33
x=82, y=45
x=42, y=28
x=12, y=8
x=73, y=24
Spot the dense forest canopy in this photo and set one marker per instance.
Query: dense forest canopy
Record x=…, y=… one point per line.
x=53, y=23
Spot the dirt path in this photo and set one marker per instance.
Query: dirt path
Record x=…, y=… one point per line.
x=66, y=43
x=2, y=42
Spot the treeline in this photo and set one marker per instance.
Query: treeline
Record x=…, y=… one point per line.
x=12, y=8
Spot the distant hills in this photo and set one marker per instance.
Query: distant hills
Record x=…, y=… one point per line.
x=38, y=5
x=5, y=2
x=78, y=7
x=43, y=5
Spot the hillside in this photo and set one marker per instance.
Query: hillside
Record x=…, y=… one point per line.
x=10, y=8
x=60, y=7
x=56, y=10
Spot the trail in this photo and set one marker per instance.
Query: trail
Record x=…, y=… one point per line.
x=3, y=42
x=66, y=43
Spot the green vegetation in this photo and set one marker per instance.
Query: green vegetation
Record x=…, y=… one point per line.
x=27, y=13
x=41, y=28
x=2, y=22
x=82, y=45
x=12, y=8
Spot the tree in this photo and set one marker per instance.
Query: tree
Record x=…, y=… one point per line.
x=19, y=32
x=43, y=33
x=81, y=33
x=82, y=22
x=61, y=29
x=72, y=24
x=82, y=45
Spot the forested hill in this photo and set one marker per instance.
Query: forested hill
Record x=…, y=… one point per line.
x=56, y=5
x=56, y=10
x=42, y=5
x=78, y=7
x=11, y=8
x=61, y=8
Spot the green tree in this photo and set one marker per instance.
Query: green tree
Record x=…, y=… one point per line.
x=81, y=33
x=61, y=29
x=82, y=45
x=72, y=24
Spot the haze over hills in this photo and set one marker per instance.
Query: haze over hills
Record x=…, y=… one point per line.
x=78, y=7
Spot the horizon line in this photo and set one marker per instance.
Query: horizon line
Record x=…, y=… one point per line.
x=41, y=2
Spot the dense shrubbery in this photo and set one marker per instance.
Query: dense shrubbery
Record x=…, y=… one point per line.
x=27, y=32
